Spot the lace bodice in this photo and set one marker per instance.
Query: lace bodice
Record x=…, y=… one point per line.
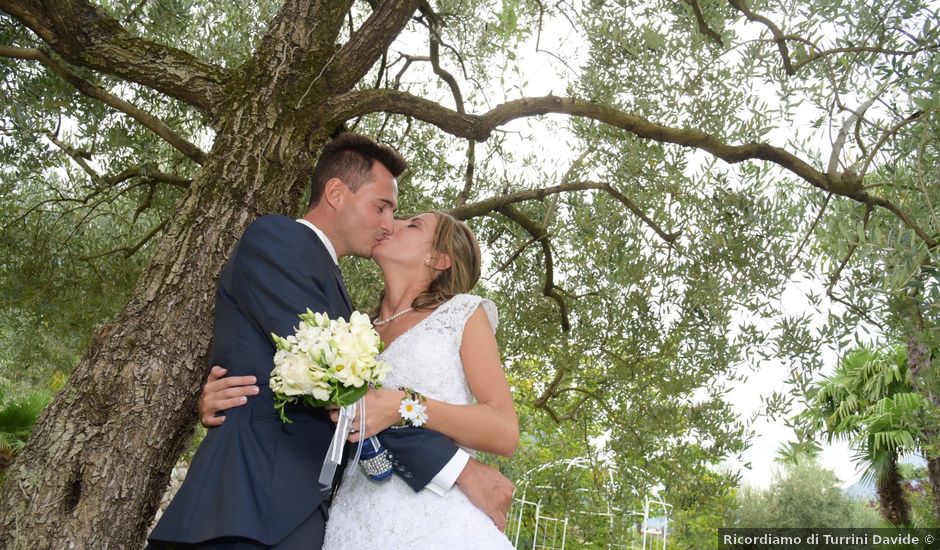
x=426, y=357
x=389, y=515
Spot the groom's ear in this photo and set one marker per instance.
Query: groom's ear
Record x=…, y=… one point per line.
x=334, y=192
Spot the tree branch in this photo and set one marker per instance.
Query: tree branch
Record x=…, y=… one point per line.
x=542, y=400
x=464, y=195
x=516, y=253
x=810, y=231
x=366, y=45
x=131, y=250
x=151, y=122
x=856, y=115
x=819, y=53
x=549, y=289
x=495, y=203
x=479, y=127
x=84, y=35
x=76, y=155
x=147, y=171
x=294, y=54
x=834, y=278
x=779, y=37
x=885, y=137
x=702, y=25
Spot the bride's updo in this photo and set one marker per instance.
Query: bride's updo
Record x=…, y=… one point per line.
x=455, y=239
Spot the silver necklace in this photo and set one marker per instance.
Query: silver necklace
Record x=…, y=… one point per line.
x=387, y=320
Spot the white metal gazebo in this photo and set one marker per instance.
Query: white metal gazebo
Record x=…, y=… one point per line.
x=530, y=526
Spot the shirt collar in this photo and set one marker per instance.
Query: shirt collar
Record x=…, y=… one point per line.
x=323, y=238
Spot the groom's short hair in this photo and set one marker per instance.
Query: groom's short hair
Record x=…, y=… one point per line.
x=349, y=158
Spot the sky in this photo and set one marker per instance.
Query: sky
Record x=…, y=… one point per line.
x=769, y=434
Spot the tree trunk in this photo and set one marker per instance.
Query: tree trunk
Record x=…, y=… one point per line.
x=127, y=412
x=933, y=471
x=919, y=363
x=894, y=507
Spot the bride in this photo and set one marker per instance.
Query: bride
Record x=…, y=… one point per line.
x=441, y=345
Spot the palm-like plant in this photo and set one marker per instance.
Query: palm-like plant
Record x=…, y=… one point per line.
x=18, y=413
x=870, y=402
x=794, y=453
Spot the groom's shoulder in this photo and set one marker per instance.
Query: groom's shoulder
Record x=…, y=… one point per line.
x=271, y=222
x=271, y=227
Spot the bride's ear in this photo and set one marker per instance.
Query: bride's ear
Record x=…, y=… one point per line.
x=441, y=261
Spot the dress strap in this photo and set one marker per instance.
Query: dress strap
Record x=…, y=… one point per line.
x=462, y=306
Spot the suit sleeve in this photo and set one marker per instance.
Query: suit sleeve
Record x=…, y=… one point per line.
x=418, y=454
x=272, y=280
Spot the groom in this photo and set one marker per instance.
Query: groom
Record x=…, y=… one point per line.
x=253, y=482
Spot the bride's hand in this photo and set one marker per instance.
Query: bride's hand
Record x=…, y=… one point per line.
x=381, y=412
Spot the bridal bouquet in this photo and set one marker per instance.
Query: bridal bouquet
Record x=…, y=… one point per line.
x=326, y=362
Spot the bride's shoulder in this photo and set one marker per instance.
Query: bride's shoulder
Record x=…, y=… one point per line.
x=470, y=300
x=468, y=304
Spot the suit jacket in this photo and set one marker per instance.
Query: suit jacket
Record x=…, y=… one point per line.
x=254, y=477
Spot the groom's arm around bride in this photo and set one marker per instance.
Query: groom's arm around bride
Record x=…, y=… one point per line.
x=484, y=485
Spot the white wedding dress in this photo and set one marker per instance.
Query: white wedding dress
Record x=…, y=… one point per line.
x=388, y=514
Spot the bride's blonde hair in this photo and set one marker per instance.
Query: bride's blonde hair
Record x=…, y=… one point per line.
x=455, y=239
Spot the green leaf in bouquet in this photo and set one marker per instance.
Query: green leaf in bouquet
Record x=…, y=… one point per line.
x=349, y=395
x=279, y=402
x=280, y=343
x=311, y=401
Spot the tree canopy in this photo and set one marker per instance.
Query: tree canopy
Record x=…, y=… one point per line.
x=644, y=177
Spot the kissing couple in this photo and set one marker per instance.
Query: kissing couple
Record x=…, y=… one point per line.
x=253, y=482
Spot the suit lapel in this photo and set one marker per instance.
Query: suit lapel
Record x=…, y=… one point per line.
x=334, y=269
x=341, y=284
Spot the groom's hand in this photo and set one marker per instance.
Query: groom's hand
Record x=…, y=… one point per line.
x=221, y=393
x=488, y=490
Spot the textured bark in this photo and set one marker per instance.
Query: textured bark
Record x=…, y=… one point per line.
x=933, y=471
x=98, y=461
x=84, y=35
x=920, y=356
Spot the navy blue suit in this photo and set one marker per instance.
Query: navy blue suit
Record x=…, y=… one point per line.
x=253, y=477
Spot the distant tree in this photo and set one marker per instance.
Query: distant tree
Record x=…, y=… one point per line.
x=802, y=494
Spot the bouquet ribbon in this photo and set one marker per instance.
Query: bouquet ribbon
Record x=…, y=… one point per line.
x=334, y=454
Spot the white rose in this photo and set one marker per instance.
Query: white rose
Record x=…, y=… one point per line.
x=381, y=370
x=340, y=326
x=343, y=343
x=307, y=332
x=294, y=374
x=360, y=319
